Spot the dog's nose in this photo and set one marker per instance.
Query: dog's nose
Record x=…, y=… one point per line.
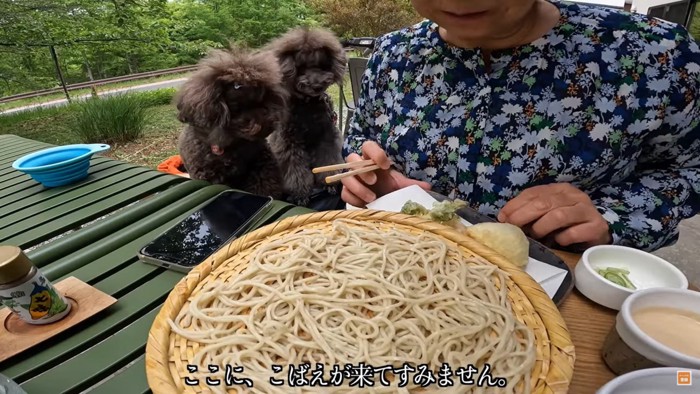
x=319, y=87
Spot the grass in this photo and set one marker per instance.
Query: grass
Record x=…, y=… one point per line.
x=56, y=126
x=158, y=142
x=83, y=92
x=47, y=125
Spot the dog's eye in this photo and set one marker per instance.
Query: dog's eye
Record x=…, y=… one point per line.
x=236, y=86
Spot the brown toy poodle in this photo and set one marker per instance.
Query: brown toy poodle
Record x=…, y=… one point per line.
x=311, y=61
x=231, y=104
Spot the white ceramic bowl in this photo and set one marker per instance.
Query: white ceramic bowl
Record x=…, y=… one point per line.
x=652, y=381
x=647, y=346
x=646, y=271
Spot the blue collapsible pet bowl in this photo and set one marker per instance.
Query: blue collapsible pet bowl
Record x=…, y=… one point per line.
x=59, y=166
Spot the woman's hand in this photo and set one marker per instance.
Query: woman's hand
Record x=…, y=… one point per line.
x=560, y=212
x=365, y=188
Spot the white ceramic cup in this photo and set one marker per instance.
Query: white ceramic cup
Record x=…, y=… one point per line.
x=640, y=342
x=654, y=381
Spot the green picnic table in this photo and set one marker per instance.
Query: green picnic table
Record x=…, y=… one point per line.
x=92, y=230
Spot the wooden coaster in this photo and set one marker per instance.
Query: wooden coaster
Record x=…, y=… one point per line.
x=17, y=336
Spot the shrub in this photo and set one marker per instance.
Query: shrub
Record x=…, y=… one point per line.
x=153, y=98
x=119, y=118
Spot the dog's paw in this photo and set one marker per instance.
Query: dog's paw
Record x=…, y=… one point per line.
x=299, y=182
x=301, y=201
x=333, y=189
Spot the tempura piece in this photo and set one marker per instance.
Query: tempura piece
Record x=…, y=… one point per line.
x=504, y=238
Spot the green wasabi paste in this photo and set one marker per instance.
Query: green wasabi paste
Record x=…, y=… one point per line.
x=619, y=276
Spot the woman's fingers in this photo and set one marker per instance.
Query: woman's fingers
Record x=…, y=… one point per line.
x=402, y=181
x=558, y=218
x=518, y=202
x=559, y=211
x=536, y=208
x=355, y=189
x=352, y=199
x=368, y=178
x=364, y=188
x=590, y=234
x=372, y=150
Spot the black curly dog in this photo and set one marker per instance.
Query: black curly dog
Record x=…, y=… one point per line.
x=231, y=104
x=311, y=60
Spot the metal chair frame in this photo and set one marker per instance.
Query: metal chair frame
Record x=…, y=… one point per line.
x=356, y=69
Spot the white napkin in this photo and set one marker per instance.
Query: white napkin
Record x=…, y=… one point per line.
x=548, y=276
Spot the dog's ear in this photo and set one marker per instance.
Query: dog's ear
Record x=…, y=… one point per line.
x=200, y=101
x=288, y=65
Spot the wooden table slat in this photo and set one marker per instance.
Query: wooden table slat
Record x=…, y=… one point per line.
x=126, y=241
x=18, y=189
x=131, y=379
x=14, y=141
x=295, y=211
x=588, y=324
x=6, y=159
x=14, y=146
x=12, y=175
x=51, y=209
x=59, y=224
x=17, y=151
x=13, y=186
x=121, y=282
x=145, y=210
x=91, y=367
x=130, y=307
x=58, y=198
x=6, y=169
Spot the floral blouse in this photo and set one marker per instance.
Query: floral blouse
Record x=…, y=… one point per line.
x=606, y=101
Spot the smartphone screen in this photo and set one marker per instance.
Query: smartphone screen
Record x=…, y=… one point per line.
x=198, y=236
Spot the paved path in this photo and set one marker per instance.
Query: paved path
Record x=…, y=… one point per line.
x=139, y=88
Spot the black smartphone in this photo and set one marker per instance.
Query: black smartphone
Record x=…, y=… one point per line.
x=191, y=241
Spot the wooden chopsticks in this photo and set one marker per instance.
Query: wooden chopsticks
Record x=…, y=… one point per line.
x=358, y=167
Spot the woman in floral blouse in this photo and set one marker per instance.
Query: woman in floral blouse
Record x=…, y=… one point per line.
x=578, y=124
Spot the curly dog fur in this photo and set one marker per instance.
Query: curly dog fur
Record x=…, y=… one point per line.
x=311, y=61
x=231, y=104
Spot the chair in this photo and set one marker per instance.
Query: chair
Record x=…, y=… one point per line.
x=356, y=68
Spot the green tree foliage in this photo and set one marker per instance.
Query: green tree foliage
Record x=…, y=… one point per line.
x=101, y=39
x=107, y=38
x=365, y=18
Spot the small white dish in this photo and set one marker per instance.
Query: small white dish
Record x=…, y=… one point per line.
x=647, y=346
x=654, y=381
x=646, y=271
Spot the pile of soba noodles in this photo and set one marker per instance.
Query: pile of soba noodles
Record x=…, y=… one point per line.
x=359, y=294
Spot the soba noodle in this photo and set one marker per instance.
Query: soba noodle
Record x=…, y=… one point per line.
x=359, y=294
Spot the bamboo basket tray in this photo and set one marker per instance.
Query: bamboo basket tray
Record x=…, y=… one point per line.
x=167, y=353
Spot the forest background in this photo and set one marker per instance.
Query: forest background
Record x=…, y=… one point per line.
x=97, y=39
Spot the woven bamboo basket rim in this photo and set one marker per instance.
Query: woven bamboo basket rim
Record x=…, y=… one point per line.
x=554, y=364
